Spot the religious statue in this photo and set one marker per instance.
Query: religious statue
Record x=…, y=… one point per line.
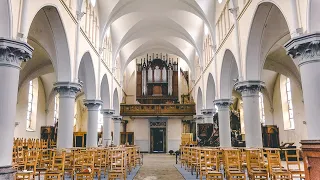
x=157, y=74
x=164, y=74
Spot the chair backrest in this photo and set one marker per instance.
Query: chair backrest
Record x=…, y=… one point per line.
x=273, y=158
x=254, y=159
x=58, y=160
x=117, y=159
x=232, y=159
x=292, y=159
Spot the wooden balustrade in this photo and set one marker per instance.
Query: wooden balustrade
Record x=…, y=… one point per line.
x=157, y=109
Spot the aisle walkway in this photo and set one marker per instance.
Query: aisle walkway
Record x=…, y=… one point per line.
x=158, y=167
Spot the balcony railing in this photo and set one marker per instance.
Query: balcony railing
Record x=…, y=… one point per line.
x=157, y=110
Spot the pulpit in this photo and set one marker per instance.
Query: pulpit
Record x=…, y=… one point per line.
x=311, y=158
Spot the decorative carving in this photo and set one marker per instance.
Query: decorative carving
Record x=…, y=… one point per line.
x=249, y=88
x=306, y=48
x=208, y=112
x=198, y=118
x=222, y=103
x=13, y=52
x=117, y=119
x=108, y=112
x=92, y=104
x=157, y=110
x=67, y=89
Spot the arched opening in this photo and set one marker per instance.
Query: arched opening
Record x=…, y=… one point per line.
x=87, y=76
x=229, y=75
x=199, y=104
x=116, y=104
x=210, y=95
x=267, y=61
x=105, y=92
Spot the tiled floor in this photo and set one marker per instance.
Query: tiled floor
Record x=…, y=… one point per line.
x=158, y=167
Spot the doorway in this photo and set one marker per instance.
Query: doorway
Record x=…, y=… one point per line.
x=158, y=137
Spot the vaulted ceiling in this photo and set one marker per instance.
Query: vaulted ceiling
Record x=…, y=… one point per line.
x=141, y=26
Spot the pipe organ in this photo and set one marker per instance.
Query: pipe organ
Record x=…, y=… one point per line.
x=157, y=80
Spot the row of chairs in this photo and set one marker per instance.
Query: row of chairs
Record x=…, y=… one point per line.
x=31, y=143
x=78, y=163
x=238, y=164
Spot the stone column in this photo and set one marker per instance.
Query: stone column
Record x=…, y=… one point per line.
x=306, y=50
x=67, y=93
x=116, y=132
x=208, y=115
x=250, y=96
x=93, y=106
x=107, y=116
x=224, y=121
x=11, y=54
x=199, y=120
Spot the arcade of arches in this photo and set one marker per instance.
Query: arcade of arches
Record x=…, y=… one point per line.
x=227, y=73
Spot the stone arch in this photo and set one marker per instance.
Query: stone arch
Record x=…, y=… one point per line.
x=211, y=92
x=269, y=31
x=199, y=101
x=86, y=74
x=60, y=55
x=229, y=74
x=105, y=92
x=6, y=19
x=116, y=104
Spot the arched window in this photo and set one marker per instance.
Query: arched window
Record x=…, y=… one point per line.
x=219, y=1
x=286, y=101
x=289, y=101
x=30, y=101
x=56, y=109
x=261, y=107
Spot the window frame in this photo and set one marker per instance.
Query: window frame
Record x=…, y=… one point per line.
x=289, y=103
x=261, y=108
x=29, y=107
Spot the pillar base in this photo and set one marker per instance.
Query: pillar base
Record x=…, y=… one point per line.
x=7, y=172
x=311, y=158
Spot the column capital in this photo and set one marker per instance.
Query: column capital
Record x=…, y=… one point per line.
x=92, y=104
x=117, y=119
x=305, y=48
x=223, y=103
x=67, y=89
x=208, y=112
x=108, y=112
x=250, y=87
x=12, y=52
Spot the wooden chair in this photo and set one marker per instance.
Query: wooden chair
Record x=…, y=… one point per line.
x=44, y=161
x=293, y=163
x=117, y=164
x=209, y=167
x=87, y=165
x=276, y=171
x=30, y=165
x=57, y=165
x=232, y=164
x=69, y=165
x=255, y=164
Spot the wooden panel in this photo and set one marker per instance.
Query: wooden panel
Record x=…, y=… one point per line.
x=139, y=83
x=157, y=109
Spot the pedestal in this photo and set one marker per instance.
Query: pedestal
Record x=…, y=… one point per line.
x=67, y=93
x=93, y=106
x=11, y=55
x=311, y=158
x=224, y=121
x=250, y=96
x=116, y=134
x=107, y=117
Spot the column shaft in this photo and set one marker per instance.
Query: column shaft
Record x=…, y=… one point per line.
x=107, y=119
x=67, y=92
x=11, y=55
x=116, y=132
x=306, y=50
x=224, y=121
x=250, y=96
x=92, y=124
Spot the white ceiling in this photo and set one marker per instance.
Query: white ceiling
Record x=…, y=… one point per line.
x=139, y=26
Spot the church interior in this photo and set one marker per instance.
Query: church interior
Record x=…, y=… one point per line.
x=159, y=89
